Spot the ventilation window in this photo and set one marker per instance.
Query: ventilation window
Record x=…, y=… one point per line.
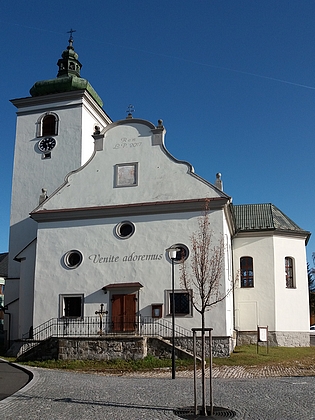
x=73, y=259
x=125, y=229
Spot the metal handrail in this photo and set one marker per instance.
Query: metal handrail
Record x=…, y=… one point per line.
x=90, y=326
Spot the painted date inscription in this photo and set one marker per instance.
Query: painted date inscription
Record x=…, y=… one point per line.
x=127, y=143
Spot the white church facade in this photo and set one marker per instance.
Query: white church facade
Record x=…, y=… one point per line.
x=96, y=204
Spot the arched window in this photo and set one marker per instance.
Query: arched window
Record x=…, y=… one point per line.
x=289, y=274
x=247, y=272
x=47, y=125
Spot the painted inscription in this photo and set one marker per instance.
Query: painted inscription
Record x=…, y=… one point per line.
x=100, y=259
x=127, y=143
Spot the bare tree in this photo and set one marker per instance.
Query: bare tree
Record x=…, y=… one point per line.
x=202, y=274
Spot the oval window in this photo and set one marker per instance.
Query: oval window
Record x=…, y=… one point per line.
x=73, y=259
x=182, y=253
x=125, y=229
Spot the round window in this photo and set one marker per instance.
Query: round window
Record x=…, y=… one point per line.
x=125, y=229
x=73, y=259
x=182, y=252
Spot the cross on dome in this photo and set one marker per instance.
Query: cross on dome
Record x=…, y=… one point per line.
x=71, y=37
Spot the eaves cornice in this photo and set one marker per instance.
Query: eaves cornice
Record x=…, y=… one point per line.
x=58, y=101
x=124, y=210
x=272, y=232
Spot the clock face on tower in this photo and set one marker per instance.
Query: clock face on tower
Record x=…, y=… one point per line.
x=46, y=144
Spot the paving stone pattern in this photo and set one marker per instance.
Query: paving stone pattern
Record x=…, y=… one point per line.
x=54, y=395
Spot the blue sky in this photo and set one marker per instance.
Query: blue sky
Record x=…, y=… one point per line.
x=232, y=80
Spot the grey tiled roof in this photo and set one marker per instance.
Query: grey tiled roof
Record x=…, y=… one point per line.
x=4, y=264
x=254, y=217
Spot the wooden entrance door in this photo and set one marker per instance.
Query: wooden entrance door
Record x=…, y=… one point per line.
x=124, y=312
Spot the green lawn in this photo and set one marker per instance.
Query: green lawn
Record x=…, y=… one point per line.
x=284, y=356
x=242, y=356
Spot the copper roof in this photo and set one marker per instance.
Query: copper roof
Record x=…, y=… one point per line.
x=262, y=217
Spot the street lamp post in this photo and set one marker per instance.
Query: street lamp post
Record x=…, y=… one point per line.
x=172, y=252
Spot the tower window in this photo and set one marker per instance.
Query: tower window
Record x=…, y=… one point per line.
x=47, y=125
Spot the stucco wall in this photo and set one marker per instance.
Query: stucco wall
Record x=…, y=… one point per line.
x=287, y=318
x=26, y=290
x=160, y=177
x=31, y=173
x=255, y=305
x=96, y=240
x=77, y=114
x=270, y=303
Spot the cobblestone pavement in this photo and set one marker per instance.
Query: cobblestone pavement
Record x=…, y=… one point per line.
x=54, y=395
x=237, y=372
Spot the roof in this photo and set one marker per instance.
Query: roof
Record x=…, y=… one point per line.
x=4, y=264
x=166, y=206
x=68, y=78
x=110, y=286
x=263, y=217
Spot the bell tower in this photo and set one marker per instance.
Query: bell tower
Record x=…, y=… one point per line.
x=69, y=65
x=53, y=137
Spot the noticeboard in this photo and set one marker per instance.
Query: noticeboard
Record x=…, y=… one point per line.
x=262, y=334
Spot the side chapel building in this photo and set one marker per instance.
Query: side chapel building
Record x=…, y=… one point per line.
x=96, y=203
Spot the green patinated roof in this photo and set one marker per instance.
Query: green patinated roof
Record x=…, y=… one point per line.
x=263, y=217
x=64, y=84
x=68, y=77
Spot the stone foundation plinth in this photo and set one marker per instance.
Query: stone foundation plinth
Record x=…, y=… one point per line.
x=276, y=338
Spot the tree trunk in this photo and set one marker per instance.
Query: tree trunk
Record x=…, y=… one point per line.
x=203, y=365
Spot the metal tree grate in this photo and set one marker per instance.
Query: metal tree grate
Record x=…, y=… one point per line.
x=218, y=413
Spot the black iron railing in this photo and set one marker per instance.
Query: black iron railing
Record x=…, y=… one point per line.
x=91, y=327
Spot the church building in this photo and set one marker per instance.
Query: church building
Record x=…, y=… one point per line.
x=97, y=204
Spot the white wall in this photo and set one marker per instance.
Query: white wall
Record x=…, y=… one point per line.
x=255, y=305
x=78, y=114
x=292, y=308
x=153, y=235
x=31, y=173
x=160, y=177
x=26, y=290
x=269, y=302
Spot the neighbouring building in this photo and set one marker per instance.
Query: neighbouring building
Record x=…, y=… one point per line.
x=95, y=205
x=3, y=276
